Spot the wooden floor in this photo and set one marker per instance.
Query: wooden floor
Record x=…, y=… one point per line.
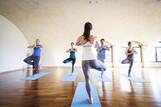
x=51, y=91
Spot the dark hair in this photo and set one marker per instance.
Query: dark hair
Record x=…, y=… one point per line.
x=129, y=43
x=102, y=39
x=87, y=29
x=72, y=43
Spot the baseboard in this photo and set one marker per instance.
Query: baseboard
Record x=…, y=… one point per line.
x=9, y=71
x=45, y=67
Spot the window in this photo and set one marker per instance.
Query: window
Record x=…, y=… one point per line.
x=109, y=54
x=158, y=54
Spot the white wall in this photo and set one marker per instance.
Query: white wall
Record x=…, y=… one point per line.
x=58, y=22
x=12, y=46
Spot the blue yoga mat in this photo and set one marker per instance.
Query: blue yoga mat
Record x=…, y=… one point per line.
x=36, y=76
x=69, y=77
x=105, y=78
x=135, y=79
x=81, y=98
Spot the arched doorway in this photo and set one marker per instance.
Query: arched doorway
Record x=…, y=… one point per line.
x=109, y=54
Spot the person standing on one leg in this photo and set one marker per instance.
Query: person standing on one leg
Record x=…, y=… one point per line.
x=130, y=51
x=101, y=50
x=72, y=57
x=35, y=57
x=89, y=57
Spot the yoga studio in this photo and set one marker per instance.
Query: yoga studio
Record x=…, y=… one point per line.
x=80, y=53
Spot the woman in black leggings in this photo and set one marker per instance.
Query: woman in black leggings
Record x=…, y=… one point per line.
x=72, y=57
x=89, y=57
x=130, y=51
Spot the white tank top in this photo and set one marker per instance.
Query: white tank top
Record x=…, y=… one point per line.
x=89, y=52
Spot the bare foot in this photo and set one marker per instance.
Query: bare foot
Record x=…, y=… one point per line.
x=90, y=100
x=71, y=74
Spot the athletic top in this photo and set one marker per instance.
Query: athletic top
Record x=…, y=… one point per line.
x=36, y=51
x=89, y=52
x=131, y=56
x=72, y=54
x=102, y=51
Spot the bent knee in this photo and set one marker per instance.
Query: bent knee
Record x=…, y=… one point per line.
x=105, y=69
x=25, y=60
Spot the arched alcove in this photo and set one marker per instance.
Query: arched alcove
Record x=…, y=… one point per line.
x=110, y=54
x=12, y=46
x=139, y=49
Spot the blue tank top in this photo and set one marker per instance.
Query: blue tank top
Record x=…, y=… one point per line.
x=36, y=51
x=72, y=54
x=102, y=51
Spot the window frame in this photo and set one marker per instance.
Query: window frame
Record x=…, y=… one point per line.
x=110, y=49
x=156, y=54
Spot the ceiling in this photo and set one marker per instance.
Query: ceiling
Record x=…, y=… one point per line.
x=29, y=15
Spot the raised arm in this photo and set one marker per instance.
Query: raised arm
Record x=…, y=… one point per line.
x=68, y=50
x=78, y=42
x=106, y=45
x=134, y=51
x=31, y=46
x=40, y=46
x=97, y=45
x=75, y=49
x=107, y=48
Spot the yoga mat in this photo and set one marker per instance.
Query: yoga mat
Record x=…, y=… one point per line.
x=81, y=98
x=36, y=76
x=69, y=77
x=135, y=79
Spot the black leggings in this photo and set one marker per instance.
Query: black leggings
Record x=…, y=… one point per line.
x=34, y=61
x=70, y=60
x=130, y=61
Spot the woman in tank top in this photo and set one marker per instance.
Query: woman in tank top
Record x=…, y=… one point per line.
x=89, y=56
x=130, y=51
x=72, y=57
